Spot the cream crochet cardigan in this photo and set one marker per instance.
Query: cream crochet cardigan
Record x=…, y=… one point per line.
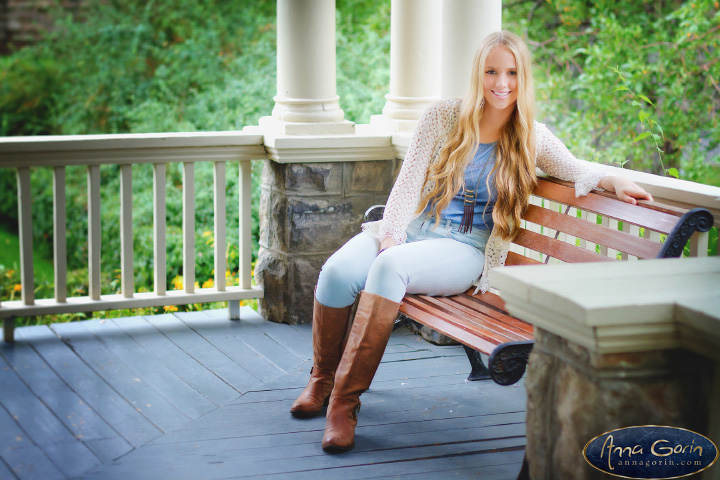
x=552, y=157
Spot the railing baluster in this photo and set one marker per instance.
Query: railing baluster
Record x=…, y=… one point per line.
x=189, y=227
x=94, y=232
x=60, y=234
x=27, y=275
x=220, y=230
x=127, y=282
x=605, y=222
x=699, y=243
x=245, y=252
x=159, y=228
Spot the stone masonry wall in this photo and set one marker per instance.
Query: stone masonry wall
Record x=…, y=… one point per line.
x=23, y=21
x=307, y=211
x=574, y=396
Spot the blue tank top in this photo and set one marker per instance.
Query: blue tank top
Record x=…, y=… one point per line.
x=485, y=153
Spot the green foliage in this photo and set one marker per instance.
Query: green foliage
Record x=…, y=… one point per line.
x=363, y=57
x=649, y=126
x=667, y=50
x=133, y=67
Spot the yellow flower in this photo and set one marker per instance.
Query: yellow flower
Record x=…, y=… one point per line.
x=17, y=287
x=170, y=308
x=210, y=283
x=178, y=282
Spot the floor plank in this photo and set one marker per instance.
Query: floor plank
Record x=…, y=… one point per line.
x=184, y=366
x=247, y=345
x=114, y=409
x=122, y=378
x=145, y=366
x=82, y=421
x=235, y=375
x=220, y=393
x=5, y=472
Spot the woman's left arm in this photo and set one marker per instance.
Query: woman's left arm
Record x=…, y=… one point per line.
x=555, y=159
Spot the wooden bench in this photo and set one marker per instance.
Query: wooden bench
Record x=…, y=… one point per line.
x=558, y=227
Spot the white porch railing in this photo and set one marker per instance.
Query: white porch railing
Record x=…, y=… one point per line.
x=92, y=151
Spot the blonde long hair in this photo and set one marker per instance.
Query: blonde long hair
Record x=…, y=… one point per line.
x=515, y=165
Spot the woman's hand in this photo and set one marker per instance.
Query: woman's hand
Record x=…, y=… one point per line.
x=386, y=243
x=625, y=189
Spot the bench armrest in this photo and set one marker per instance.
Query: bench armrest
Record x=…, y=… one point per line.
x=374, y=213
x=697, y=219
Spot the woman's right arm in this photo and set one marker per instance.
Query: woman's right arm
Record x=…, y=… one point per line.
x=405, y=194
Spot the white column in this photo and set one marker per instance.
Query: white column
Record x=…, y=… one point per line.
x=306, y=90
x=415, y=47
x=464, y=24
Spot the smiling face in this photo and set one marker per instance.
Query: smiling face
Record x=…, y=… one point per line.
x=500, y=80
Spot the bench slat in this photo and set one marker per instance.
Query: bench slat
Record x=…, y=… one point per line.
x=484, y=310
x=591, y=232
x=517, y=259
x=485, y=331
x=449, y=329
x=487, y=298
x=477, y=313
x=557, y=249
x=646, y=217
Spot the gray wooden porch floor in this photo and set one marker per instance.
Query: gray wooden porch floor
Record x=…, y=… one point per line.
x=195, y=396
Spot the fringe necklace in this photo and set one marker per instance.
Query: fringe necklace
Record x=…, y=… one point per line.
x=469, y=199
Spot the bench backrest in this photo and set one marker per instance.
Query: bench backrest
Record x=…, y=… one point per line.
x=560, y=227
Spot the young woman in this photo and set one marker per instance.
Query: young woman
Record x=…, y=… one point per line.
x=450, y=217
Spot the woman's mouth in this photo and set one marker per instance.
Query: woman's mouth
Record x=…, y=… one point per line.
x=500, y=94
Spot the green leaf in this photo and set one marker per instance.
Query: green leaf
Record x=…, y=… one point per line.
x=621, y=88
x=641, y=136
x=643, y=115
x=656, y=137
x=636, y=103
x=646, y=99
x=673, y=172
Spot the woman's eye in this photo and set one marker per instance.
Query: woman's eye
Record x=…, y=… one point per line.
x=513, y=73
x=490, y=72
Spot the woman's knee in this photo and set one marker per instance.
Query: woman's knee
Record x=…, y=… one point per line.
x=387, y=277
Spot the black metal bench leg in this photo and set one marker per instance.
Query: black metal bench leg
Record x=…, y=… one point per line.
x=402, y=321
x=525, y=470
x=478, y=369
x=508, y=361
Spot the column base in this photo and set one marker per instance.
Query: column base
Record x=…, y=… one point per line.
x=392, y=124
x=277, y=127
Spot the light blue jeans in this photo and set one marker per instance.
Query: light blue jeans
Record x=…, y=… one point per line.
x=433, y=261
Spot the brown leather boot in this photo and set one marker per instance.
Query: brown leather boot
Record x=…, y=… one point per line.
x=328, y=335
x=366, y=344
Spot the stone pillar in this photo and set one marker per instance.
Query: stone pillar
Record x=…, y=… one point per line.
x=307, y=211
x=415, y=45
x=307, y=100
x=575, y=395
x=464, y=25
